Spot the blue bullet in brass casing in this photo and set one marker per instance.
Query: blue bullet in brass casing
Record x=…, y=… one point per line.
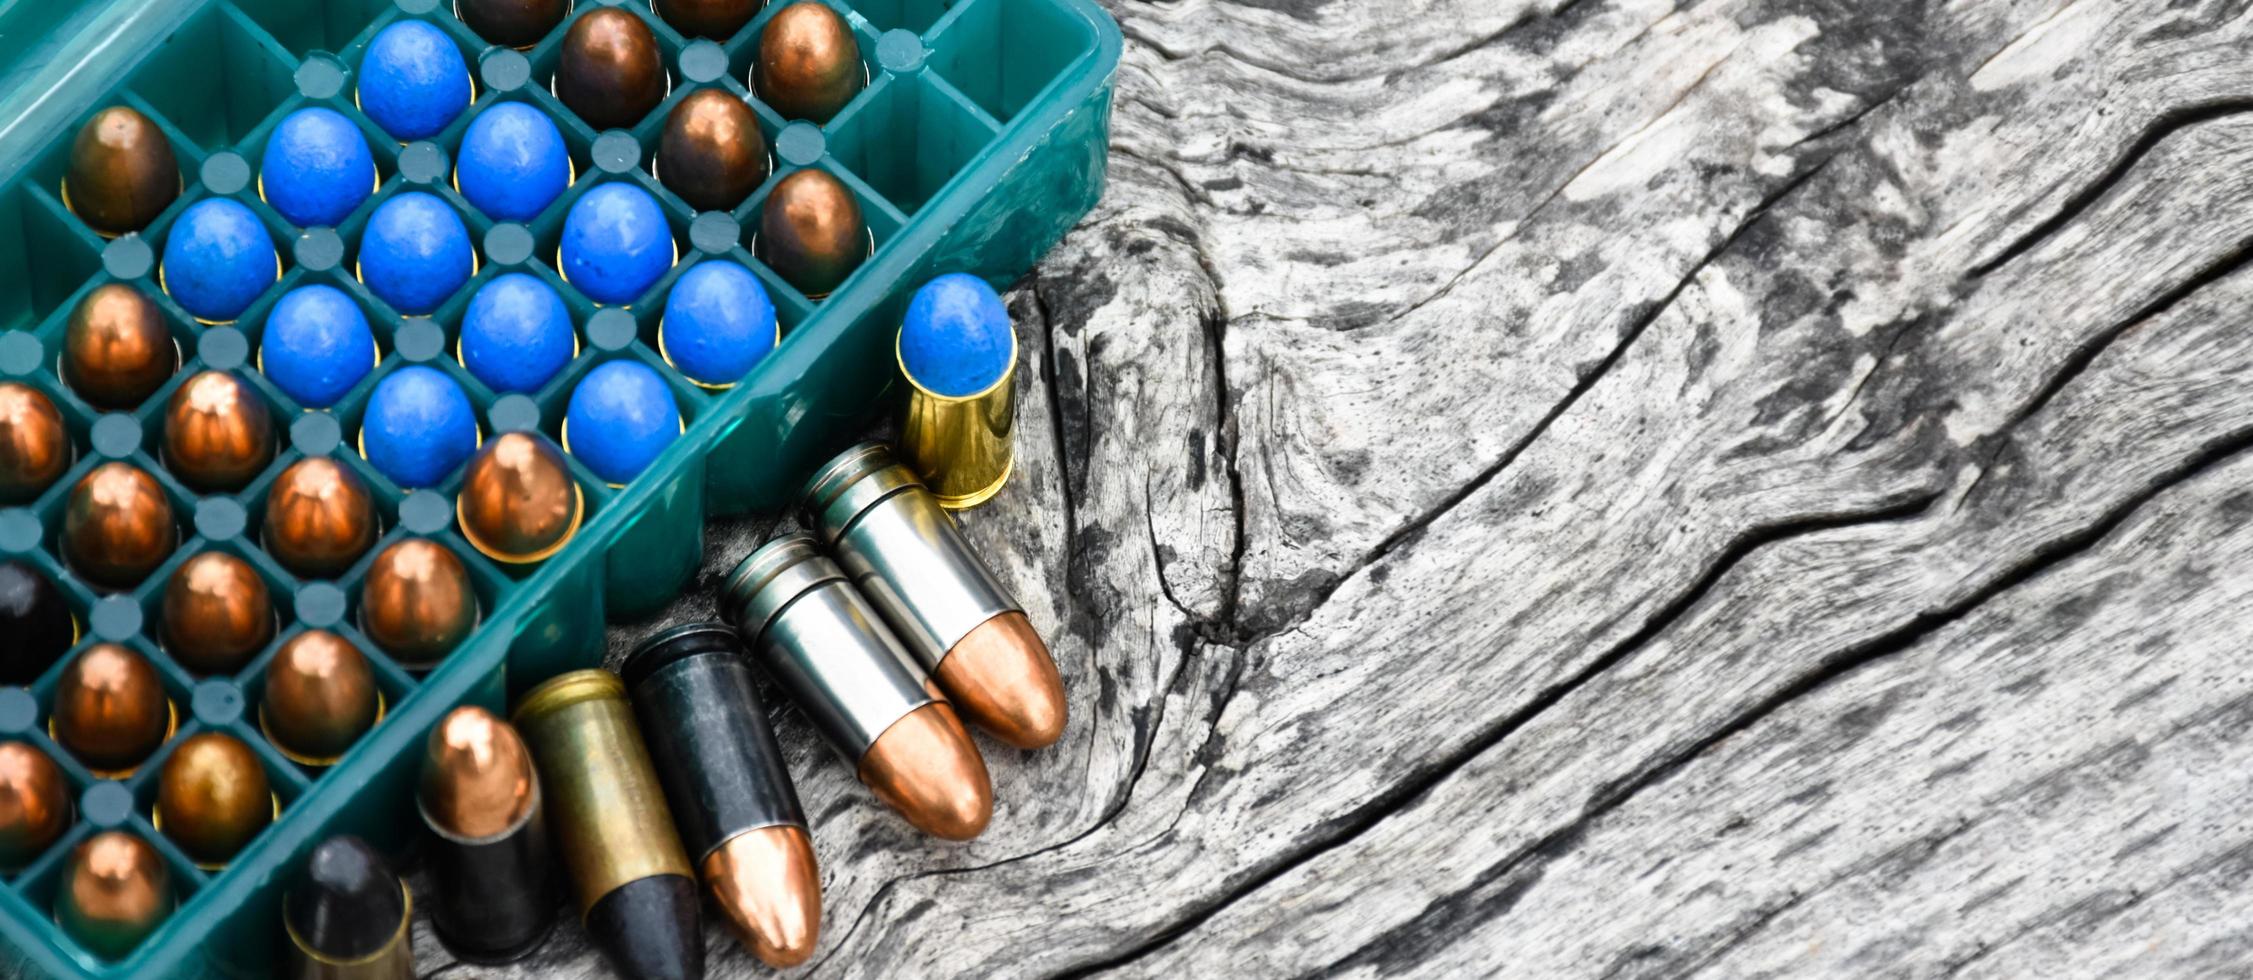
x=718, y=324
x=415, y=253
x=959, y=356
x=316, y=345
x=513, y=162
x=516, y=334
x=621, y=416
x=413, y=80
x=616, y=243
x=418, y=426
x=218, y=258
x=316, y=168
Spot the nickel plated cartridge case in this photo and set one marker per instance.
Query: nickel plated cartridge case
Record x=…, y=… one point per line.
x=637, y=895
x=871, y=701
x=906, y=555
x=494, y=890
x=724, y=776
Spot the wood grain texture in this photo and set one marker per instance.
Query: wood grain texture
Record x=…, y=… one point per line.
x=1617, y=487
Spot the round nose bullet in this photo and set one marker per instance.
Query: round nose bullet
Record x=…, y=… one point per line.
x=212, y=797
x=812, y=233
x=413, y=80
x=35, y=619
x=518, y=502
x=118, y=526
x=320, y=698
x=715, y=19
x=34, y=803
x=729, y=791
x=115, y=892
x=494, y=884
x=218, y=433
x=611, y=72
x=711, y=152
x=347, y=916
x=218, y=259
x=121, y=173
x=803, y=620
x=925, y=767
x=512, y=23
x=217, y=613
x=34, y=446
x=417, y=603
x=110, y=710
x=116, y=349
x=1005, y=681
x=319, y=518
x=809, y=65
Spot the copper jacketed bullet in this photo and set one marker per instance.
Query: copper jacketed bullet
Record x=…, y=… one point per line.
x=115, y=891
x=111, y=710
x=518, y=502
x=715, y=19
x=319, y=518
x=811, y=232
x=217, y=613
x=729, y=789
x=637, y=896
x=610, y=71
x=34, y=803
x=416, y=603
x=493, y=887
x=801, y=619
x=36, y=620
x=117, y=350
x=212, y=797
x=34, y=445
x=908, y=557
x=711, y=152
x=218, y=434
x=118, y=526
x=809, y=64
x=512, y=23
x=346, y=916
x=320, y=698
x=121, y=173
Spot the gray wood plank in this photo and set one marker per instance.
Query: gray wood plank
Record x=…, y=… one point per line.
x=1609, y=486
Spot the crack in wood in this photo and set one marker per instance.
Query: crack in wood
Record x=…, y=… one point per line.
x=1414, y=527
x=2170, y=122
x=1406, y=792
x=2087, y=353
x=1836, y=666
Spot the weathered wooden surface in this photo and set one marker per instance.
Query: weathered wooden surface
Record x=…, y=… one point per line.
x=1574, y=487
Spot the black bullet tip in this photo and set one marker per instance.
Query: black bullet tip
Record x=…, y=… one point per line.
x=350, y=904
x=33, y=615
x=648, y=928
